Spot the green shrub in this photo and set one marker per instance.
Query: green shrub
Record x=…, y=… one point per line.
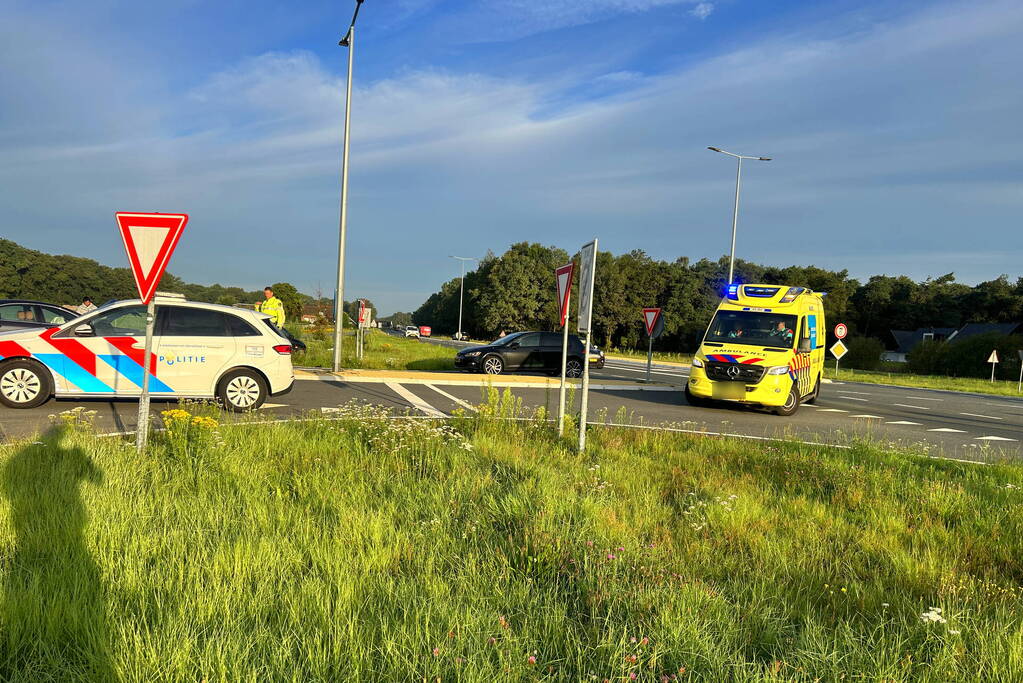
x=864, y=353
x=928, y=358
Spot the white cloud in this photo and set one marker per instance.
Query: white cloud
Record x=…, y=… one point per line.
x=702, y=10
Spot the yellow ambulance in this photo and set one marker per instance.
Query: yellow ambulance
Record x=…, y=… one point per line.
x=764, y=346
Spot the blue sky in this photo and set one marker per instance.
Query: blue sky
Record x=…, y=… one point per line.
x=894, y=129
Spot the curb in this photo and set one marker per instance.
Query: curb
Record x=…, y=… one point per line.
x=465, y=379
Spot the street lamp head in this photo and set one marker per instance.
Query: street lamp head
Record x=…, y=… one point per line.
x=764, y=158
x=715, y=149
x=344, y=42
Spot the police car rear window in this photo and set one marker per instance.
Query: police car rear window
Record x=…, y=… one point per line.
x=240, y=328
x=193, y=322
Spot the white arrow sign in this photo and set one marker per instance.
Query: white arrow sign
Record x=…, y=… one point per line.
x=993, y=358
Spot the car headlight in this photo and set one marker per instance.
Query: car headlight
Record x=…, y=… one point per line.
x=778, y=370
x=473, y=354
x=697, y=363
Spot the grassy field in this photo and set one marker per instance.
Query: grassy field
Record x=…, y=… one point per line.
x=980, y=386
x=382, y=352
x=668, y=356
x=372, y=549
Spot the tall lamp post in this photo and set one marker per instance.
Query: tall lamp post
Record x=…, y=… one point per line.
x=461, y=289
x=339, y=303
x=735, y=212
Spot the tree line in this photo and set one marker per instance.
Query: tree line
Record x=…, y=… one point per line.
x=516, y=291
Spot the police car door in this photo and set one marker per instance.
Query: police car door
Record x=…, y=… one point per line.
x=102, y=355
x=195, y=347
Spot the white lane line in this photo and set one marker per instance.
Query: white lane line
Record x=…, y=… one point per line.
x=922, y=398
x=853, y=398
x=990, y=417
x=861, y=393
x=948, y=430
x=416, y=402
x=273, y=405
x=993, y=438
x=903, y=405
x=872, y=417
x=832, y=410
x=902, y=422
x=464, y=404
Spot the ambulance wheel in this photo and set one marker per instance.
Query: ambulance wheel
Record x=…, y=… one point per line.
x=695, y=401
x=812, y=398
x=24, y=383
x=241, y=390
x=791, y=403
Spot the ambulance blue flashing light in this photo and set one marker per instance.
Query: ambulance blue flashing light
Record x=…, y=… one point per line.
x=733, y=292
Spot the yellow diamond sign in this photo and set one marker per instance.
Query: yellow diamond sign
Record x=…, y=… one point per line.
x=838, y=349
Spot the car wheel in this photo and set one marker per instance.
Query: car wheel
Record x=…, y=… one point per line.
x=812, y=398
x=791, y=403
x=24, y=384
x=241, y=390
x=574, y=368
x=493, y=365
x=695, y=401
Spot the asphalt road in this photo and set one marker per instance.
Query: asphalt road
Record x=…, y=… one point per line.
x=949, y=424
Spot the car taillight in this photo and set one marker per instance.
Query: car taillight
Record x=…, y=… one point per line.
x=283, y=349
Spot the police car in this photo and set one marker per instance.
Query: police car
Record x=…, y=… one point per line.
x=199, y=351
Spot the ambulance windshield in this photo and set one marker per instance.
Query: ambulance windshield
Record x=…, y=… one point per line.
x=752, y=329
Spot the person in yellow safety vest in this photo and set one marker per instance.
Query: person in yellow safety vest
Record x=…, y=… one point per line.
x=273, y=307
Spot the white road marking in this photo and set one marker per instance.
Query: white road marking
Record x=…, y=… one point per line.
x=457, y=400
x=902, y=422
x=990, y=417
x=853, y=398
x=273, y=405
x=903, y=405
x=948, y=430
x=832, y=410
x=872, y=417
x=416, y=402
x=993, y=438
x=923, y=398
x=861, y=393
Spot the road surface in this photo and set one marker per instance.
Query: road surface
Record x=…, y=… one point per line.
x=949, y=424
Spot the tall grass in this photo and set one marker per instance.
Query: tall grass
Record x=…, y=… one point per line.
x=483, y=549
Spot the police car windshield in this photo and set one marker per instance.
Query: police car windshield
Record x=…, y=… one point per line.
x=752, y=329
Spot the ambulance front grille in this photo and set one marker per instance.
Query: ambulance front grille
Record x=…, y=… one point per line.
x=749, y=373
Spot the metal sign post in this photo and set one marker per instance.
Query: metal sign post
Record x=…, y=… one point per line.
x=563, y=276
x=654, y=324
x=147, y=362
x=1019, y=387
x=149, y=240
x=993, y=359
x=588, y=267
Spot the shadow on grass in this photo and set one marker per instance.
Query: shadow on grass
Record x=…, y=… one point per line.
x=434, y=364
x=53, y=614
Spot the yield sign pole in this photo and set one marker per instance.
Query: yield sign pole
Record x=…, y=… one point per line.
x=149, y=240
x=651, y=316
x=564, y=277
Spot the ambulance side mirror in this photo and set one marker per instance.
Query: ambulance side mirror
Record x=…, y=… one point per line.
x=804, y=345
x=84, y=331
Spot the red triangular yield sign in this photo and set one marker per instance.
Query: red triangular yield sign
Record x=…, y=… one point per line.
x=650, y=316
x=564, y=278
x=149, y=240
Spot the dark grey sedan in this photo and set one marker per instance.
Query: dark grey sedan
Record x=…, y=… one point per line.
x=18, y=314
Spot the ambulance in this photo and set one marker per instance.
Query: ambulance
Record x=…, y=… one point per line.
x=764, y=346
x=200, y=351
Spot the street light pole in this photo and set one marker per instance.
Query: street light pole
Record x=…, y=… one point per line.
x=339, y=302
x=735, y=210
x=461, y=290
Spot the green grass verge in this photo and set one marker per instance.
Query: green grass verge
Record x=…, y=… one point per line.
x=382, y=352
x=980, y=386
x=482, y=550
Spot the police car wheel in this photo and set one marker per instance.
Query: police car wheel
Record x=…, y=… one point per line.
x=24, y=384
x=241, y=390
x=791, y=403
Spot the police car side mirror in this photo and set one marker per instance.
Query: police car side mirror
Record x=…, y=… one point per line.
x=84, y=331
x=804, y=345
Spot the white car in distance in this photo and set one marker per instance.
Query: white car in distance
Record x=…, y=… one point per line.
x=412, y=331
